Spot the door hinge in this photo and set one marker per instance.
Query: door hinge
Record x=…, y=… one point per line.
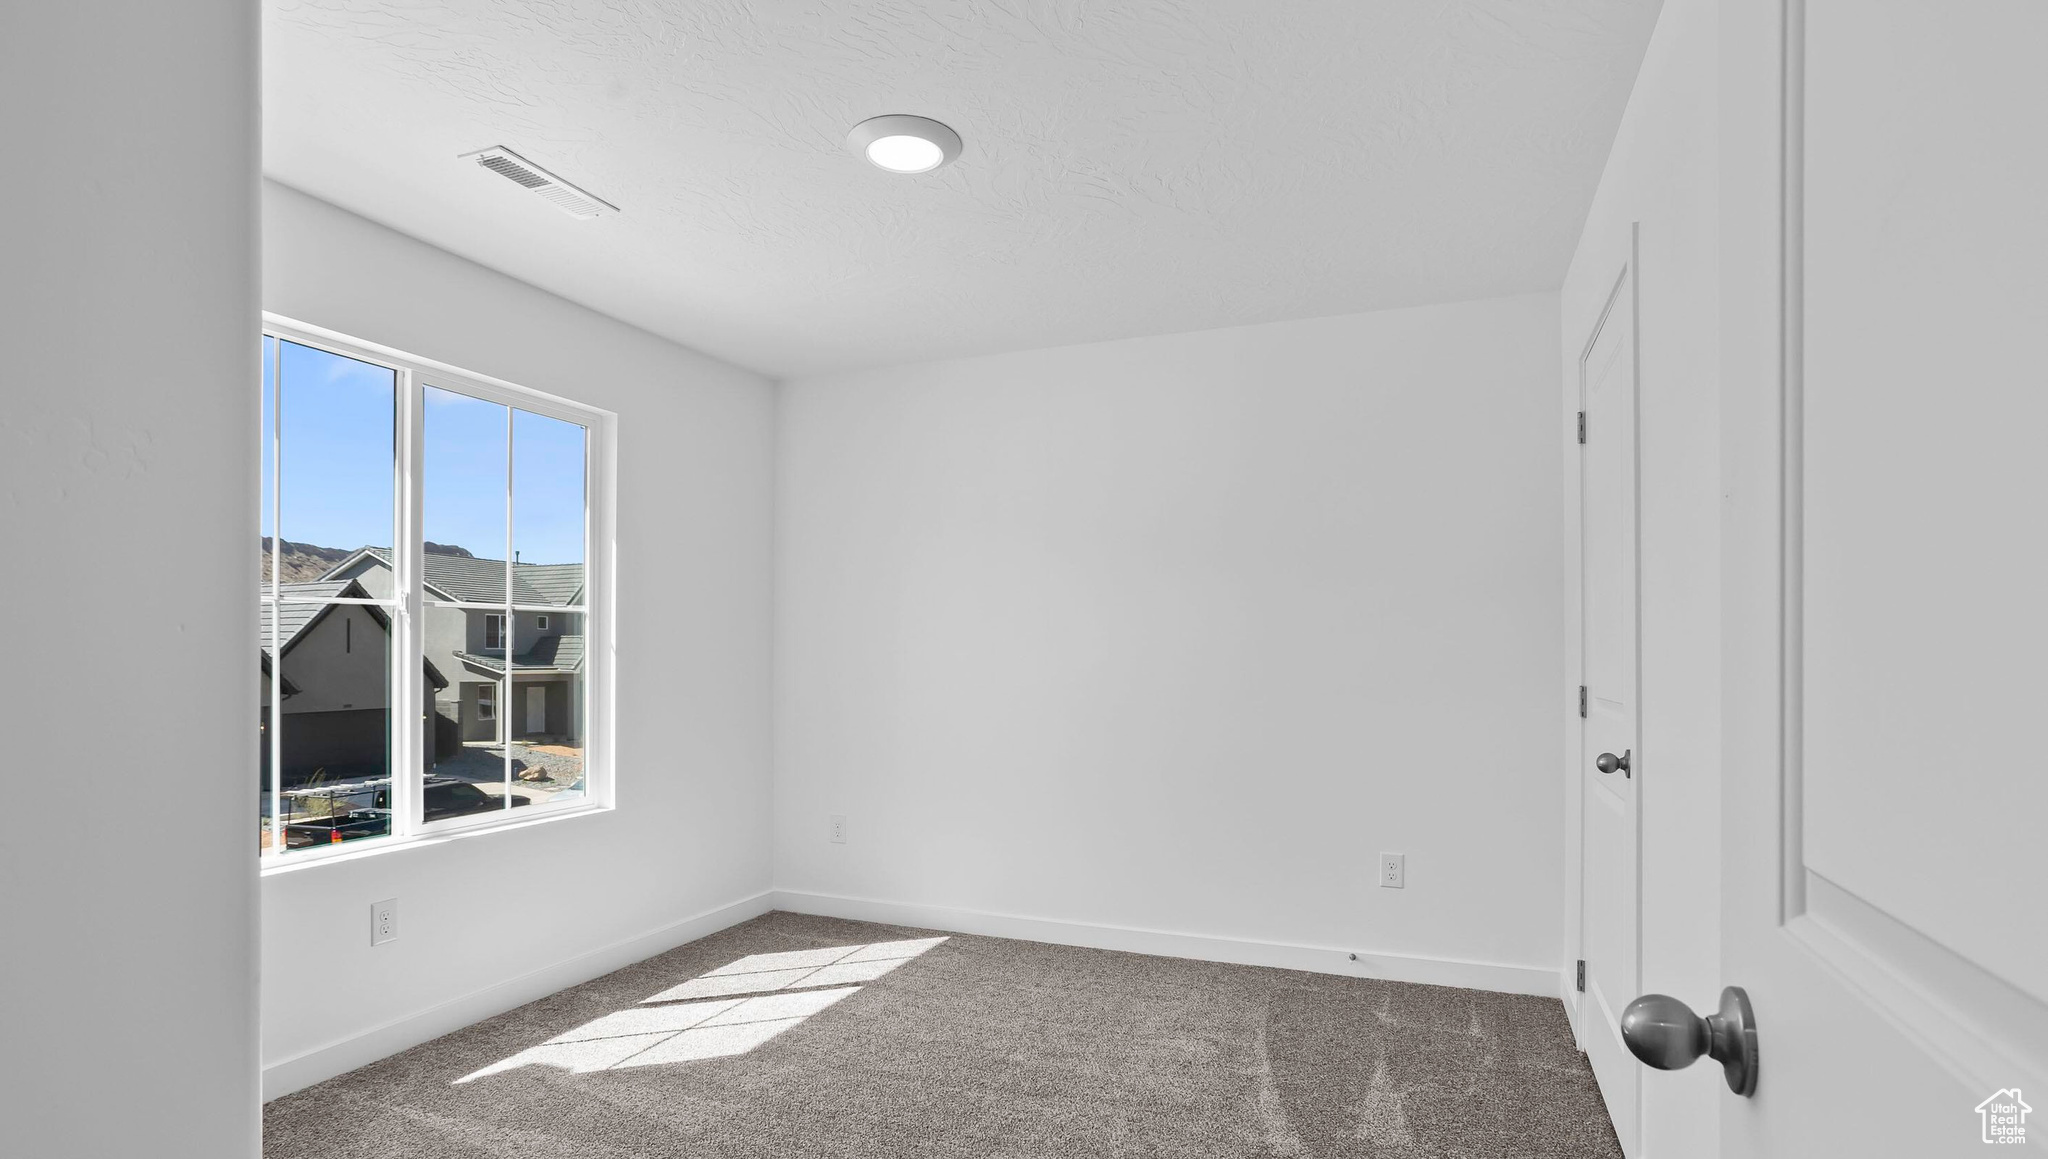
x=1581, y=983
x=1582, y=702
x=1582, y=426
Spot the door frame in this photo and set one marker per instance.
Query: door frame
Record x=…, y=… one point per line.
x=1624, y=292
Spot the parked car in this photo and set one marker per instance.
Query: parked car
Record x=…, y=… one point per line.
x=447, y=797
x=340, y=827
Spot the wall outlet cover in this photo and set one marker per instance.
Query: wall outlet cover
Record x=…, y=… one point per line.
x=838, y=830
x=1393, y=871
x=383, y=921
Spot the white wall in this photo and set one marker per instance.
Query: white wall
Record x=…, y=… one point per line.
x=1178, y=633
x=1663, y=173
x=490, y=920
x=128, y=453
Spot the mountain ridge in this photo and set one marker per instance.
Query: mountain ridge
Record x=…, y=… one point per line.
x=305, y=562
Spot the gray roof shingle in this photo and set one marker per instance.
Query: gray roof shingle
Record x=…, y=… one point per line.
x=558, y=583
x=467, y=579
x=292, y=618
x=562, y=653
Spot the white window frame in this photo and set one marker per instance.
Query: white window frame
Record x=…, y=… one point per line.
x=408, y=607
x=540, y=623
x=499, y=618
x=487, y=701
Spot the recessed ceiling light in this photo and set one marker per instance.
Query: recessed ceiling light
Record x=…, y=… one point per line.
x=904, y=144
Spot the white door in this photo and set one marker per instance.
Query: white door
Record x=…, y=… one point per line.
x=1886, y=609
x=536, y=709
x=1608, y=879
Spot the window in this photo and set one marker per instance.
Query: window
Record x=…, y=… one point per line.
x=429, y=608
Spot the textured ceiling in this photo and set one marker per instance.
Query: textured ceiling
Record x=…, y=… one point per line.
x=1131, y=167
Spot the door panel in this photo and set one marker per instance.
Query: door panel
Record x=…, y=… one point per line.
x=1609, y=875
x=1926, y=468
x=1609, y=936
x=1887, y=406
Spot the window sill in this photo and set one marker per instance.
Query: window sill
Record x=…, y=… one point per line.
x=378, y=846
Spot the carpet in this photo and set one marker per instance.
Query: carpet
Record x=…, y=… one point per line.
x=792, y=1035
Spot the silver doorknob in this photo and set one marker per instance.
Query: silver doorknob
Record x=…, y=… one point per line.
x=1666, y=1034
x=1608, y=762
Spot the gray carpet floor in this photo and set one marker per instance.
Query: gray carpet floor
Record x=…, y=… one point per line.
x=804, y=1036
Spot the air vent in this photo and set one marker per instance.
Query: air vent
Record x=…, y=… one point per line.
x=541, y=183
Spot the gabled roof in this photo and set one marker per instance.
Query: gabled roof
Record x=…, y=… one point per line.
x=470, y=580
x=379, y=556
x=562, y=653
x=294, y=620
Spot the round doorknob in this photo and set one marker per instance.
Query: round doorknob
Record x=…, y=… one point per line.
x=1608, y=762
x=1664, y=1033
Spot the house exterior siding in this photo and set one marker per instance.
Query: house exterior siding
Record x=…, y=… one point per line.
x=337, y=703
x=453, y=640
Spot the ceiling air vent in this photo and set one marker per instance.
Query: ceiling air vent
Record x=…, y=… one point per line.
x=541, y=183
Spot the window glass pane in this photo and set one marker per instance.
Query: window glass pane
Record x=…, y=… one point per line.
x=266, y=498
x=462, y=493
x=465, y=753
x=463, y=520
x=501, y=713
x=462, y=747
x=547, y=509
x=264, y=709
x=545, y=715
x=337, y=422
x=334, y=723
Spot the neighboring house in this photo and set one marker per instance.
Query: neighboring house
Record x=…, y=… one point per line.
x=471, y=644
x=334, y=683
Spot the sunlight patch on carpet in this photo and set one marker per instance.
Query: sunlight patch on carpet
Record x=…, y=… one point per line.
x=678, y=1024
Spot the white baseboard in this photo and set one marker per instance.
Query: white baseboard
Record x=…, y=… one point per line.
x=321, y=1063
x=361, y=1049
x=1496, y=976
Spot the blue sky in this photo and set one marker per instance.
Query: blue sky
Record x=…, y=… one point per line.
x=337, y=432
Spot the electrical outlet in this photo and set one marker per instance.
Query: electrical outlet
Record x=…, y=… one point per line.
x=838, y=830
x=383, y=921
x=1393, y=871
